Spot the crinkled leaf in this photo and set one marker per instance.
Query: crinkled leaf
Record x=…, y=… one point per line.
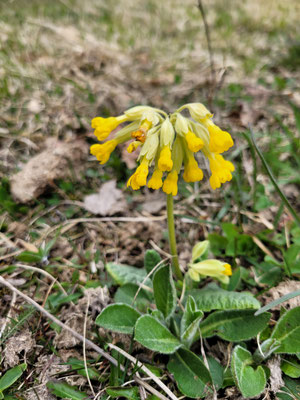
x=287, y=331
x=234, y=325
x=155, y=336
x=164, y=291
x=123, y=274
x=151, y=259
x=190, y=322
x=118, y=318
x=250, y=381
x=126, y=294
x=191, y=375
x=214, y=298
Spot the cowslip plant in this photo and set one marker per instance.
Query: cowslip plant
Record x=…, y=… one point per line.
x=173, y=317
x=167, y=142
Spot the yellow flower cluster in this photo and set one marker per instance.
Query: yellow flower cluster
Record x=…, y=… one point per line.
x=168, y=142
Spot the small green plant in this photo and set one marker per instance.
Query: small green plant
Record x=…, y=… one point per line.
x=175, y=329
x=173, y=317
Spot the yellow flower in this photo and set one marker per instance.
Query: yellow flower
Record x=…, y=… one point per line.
x=165, y=162
x=168, y=142
x=133, y=146
x=170, y=183
x=221, y=171
x=104, y=126
x=214, y=268
x=139, y=178
x=192, y=173
x=194, y=143
x=103, y=151
x=220, y=141
x=156, y=180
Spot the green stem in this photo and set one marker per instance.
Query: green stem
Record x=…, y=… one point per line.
x=172, y=238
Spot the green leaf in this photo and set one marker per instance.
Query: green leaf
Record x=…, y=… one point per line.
x=291, y=389
x=11, y=376
x=235, y=325
x=276, y=302
x=164, y=291
x=126, y=294
x=30, y=257
x=65, y=391
x=78, y=366
x=234, y=280
x=190, y=322
x=216, y=371
x=151, y=259
x=131, y=393
x=118, y=318
x=214, y=298
x=291, y=367
x=155, y=336
x=287, y=331
x=123, y=274
x=251, y=382
x=190, y=373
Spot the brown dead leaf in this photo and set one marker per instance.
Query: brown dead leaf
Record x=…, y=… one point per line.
x=108, y=201
x=282, y=289
x=52, y=163
x=154, y=202
x=129, y=158
x=46, y=367
x=74, y=316
x=15, y=345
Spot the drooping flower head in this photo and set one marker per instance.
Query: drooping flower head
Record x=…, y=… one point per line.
x=169, y=143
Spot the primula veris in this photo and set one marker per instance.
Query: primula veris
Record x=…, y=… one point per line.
x=168, y=143
x=214, y=268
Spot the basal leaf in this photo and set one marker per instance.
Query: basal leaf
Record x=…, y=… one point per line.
x=126, y=294
x=123, y=274
x=250, y=381
x=234, y=325
x=190, y=322
x=287, y=331
x=164, y=291
x=118, y=318
x=151, y=259
x=191, y=375
x=214, y=298
x=155, y=336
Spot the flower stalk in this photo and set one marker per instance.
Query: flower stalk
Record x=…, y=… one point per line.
x=172, y=237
